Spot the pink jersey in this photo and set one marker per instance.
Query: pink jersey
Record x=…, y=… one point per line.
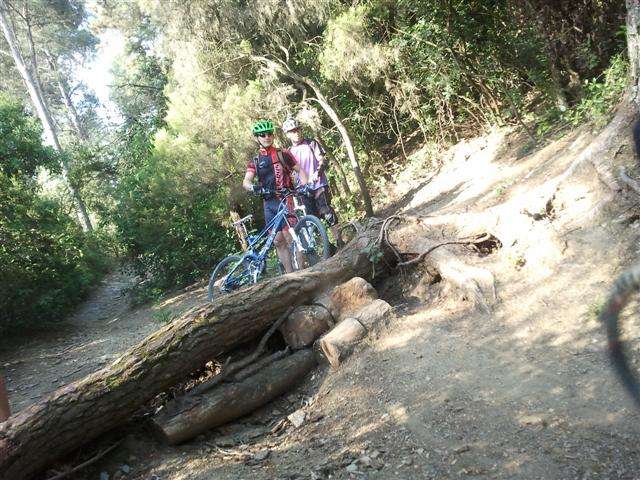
x=308, y=154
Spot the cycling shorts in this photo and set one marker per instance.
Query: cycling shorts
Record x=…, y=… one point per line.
x=271, y=206
x=319, y=205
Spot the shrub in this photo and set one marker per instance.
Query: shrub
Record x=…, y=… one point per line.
x=48, y=264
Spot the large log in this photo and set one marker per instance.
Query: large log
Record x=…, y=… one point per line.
x=359, y=311
x=192, y=415
x=81, y=411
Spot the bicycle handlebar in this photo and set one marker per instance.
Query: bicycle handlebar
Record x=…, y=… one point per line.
x=283, y=192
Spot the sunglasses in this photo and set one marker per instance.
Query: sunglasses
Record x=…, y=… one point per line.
x=266, y=134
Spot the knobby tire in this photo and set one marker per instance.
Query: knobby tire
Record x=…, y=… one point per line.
x=627, y=284
x=220, y=272
x=322, y=250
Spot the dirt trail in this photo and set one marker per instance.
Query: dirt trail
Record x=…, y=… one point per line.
x=103, y=327
x=442, y=391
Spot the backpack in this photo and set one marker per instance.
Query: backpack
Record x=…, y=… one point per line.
x=284, y=166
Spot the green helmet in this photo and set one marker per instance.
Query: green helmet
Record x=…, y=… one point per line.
x=262, y=126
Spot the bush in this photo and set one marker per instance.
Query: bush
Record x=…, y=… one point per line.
x=168, y=222
x=48, y=264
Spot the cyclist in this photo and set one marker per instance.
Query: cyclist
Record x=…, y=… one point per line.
x=273, y=168
x=311, y=157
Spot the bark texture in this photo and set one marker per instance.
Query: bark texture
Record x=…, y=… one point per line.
x=192, y=415
x=81, y=411
x=305, y=325
x=358, y=310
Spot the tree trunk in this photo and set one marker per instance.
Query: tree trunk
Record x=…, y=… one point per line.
x=66, y=98
x=633, y=46
x=192, y=415
x=43, y=112
x=78, y=413
x=346, y=139
x=355, y=165
x=334, y=162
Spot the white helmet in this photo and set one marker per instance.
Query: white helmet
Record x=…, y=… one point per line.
x=290, y=124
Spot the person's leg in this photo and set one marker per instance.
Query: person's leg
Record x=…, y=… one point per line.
x=326, y=212
x=282, y=246
x=5, y=412
x=282, y=243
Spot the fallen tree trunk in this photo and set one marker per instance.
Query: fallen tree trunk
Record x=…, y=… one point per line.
x=81, y=411
x=195, y=414
x=211, y=404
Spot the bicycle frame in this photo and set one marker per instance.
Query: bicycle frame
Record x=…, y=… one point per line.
x=260, y=244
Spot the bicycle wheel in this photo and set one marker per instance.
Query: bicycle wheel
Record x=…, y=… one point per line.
x=619, y=352
x=228, y=276
x=313, y=240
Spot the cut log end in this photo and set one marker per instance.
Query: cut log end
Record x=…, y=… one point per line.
x=336, y=345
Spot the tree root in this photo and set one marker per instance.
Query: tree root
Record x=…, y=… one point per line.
x=476, y=284
x=630, y=182
x=592, y=154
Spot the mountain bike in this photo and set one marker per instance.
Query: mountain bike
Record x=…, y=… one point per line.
x=310, y=245
x=627, y=284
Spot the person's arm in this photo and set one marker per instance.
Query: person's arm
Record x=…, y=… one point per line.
x=247, y=183
x=302, y=175
x=319, y=153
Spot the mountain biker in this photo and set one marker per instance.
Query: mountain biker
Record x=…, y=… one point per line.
x=274, y=168
x=311, y=157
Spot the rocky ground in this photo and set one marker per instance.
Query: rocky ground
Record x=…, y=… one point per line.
x=442, y=390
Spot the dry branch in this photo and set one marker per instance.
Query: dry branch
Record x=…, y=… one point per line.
x=230, y=369
x=85, y=464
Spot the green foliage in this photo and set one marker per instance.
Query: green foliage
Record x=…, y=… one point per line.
x=21, y=149
x=600, y=94
x=348, y=51
x=169, y=222
x=60, y=38
x=374, y=255
x=48, y=264
x=194, y=78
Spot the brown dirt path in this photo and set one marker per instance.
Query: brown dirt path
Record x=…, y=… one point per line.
x=102, y=327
